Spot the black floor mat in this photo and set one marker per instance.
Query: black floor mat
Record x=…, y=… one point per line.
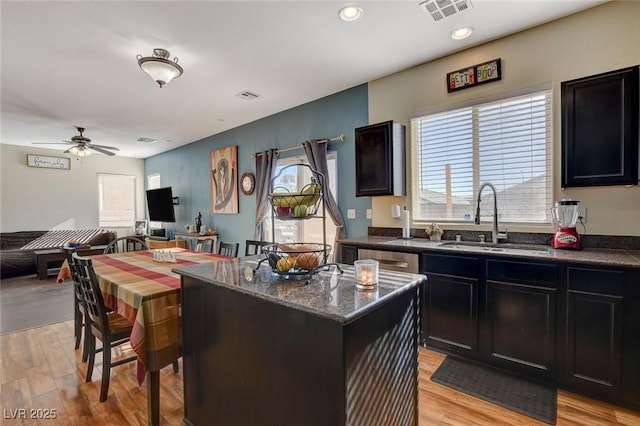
x=530, y=399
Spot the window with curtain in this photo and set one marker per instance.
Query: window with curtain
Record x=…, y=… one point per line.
x=506, y=142
x=117, y=200
x=308, y=230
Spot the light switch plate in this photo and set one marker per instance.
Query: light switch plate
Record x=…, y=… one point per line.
x=368, y=213
x=351, y=213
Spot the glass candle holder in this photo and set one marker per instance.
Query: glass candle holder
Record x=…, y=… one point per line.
x=366, y=274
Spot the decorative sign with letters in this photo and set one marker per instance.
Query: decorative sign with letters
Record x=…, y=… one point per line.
x=474, y=75
x=34, y=160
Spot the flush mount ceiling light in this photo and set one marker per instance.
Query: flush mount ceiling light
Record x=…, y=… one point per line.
x=161, y=69
x=461, y=33
x=350, y=13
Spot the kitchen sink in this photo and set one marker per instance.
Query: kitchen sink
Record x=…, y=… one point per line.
x=507, y=248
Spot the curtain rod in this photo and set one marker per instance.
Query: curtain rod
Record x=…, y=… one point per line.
x=291, y=148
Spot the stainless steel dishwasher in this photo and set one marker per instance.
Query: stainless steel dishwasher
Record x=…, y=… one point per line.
x=392, y=260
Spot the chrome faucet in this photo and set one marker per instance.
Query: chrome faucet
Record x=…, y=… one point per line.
x=495, y=234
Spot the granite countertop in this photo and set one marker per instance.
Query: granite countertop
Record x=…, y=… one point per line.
x=608, y=257
x=327, y=294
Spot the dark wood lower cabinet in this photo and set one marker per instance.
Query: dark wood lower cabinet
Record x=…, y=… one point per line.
x=520, y=316
x=348, y=254
x=575, y=326
x=450, y=314
x=594, y=341
x=521, y=328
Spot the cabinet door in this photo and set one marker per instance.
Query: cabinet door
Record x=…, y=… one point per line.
x=380, y=159
x=450, y=314
x=520, y=312
x=521, y=324
x=600, y=129
x=594, y=329
x=594, y=341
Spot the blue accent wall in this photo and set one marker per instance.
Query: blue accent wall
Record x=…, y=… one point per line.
x=187, y=169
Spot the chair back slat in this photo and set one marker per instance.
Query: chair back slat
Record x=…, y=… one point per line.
x=125, y=244
x=228, y=249
x=253, y=247
x=73, y=269
x=93, y=299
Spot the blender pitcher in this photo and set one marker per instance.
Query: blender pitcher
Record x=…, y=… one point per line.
x=565, y=214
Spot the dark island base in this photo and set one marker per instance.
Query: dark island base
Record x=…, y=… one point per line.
x=248, y=361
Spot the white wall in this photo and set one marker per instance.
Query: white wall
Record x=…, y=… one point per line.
x=36, y=199
x=598, y=40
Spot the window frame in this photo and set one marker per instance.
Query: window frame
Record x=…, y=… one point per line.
x=125, y=223
x=474, y=104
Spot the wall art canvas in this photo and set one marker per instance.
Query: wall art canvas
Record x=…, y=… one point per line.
x=224, y=180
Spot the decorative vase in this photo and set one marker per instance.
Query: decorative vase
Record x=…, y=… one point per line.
x=435, y=237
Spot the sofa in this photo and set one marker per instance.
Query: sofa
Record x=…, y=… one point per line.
x=17, y=249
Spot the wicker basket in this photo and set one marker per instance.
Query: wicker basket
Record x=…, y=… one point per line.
x=296, y=258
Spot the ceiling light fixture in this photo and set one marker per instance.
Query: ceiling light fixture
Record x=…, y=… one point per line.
x=350, y=13
x=161, y=69
x=461, y=33
x=80, y=151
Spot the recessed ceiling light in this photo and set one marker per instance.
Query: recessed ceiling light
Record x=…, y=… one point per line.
x=461, y=33
x=350, y=13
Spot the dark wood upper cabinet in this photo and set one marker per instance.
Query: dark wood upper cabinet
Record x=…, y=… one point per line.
x=380, y=159
x=600, y=129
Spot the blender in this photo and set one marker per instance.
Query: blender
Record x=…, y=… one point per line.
x=565, y=213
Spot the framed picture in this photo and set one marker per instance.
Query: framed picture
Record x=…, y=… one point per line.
x=474, y=75
x=140, y=227
x=224, y=180
x=34, y=160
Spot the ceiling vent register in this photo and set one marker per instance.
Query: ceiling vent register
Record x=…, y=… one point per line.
x=439, y=9
x=247, y=95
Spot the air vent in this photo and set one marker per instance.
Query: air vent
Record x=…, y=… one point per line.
x=439, y=9
x=249, y=96
x=146, y=140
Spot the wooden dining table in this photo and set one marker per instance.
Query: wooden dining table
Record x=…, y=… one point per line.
x=147, y=292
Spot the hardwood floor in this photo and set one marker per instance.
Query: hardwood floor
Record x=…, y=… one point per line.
x=40, y=370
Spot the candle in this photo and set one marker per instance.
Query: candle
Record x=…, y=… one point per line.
x=366, y=274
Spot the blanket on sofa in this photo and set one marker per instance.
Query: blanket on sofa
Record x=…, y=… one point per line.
x=17, y=255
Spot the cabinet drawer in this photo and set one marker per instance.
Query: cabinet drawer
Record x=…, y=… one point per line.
x=521, y=271
x=605, y=281
x=451, y=265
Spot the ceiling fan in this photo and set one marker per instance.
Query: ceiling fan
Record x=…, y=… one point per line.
x=82, y=145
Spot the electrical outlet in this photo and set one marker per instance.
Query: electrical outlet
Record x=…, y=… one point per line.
x=351, y=213
x=368, y=213
x=582, y=215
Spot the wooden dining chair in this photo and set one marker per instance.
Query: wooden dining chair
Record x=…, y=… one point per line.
x=228, y=249
x=253, y=247
x=79, y=308
x=206, y=246
x=111, y=328
x=124, y=244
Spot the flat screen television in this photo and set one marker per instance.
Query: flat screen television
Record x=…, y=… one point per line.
x=160, y=205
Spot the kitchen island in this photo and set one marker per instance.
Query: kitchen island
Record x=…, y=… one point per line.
x=262, y=349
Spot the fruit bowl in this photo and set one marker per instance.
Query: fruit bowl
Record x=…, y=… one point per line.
x=296, y=204
x=296, y=258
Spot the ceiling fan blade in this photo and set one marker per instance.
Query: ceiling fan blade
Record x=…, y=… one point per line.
x=104, y=147
x=53, y=143
x=67, y=151
x=104, y=151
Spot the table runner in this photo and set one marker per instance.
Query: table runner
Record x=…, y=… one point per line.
x=147, y=293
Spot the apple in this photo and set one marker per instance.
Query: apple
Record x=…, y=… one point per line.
x=300, y=210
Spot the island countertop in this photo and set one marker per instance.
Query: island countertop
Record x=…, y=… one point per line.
x=328, y=294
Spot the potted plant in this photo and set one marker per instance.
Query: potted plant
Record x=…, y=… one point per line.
x=434, y=232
